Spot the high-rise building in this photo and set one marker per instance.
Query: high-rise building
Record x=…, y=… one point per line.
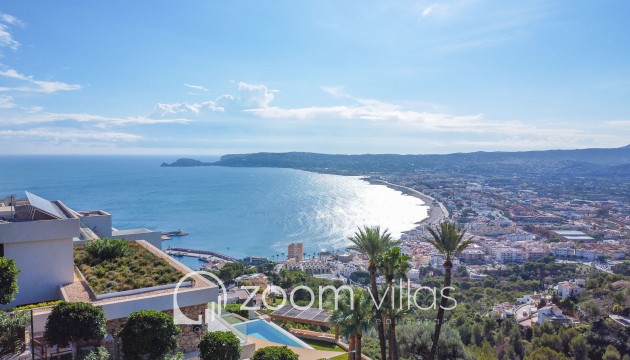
x=295, y=252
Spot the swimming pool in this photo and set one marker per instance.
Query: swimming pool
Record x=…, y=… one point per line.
x=232, y=319
x=270, y=332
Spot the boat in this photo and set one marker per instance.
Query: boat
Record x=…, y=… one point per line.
x=174, y=233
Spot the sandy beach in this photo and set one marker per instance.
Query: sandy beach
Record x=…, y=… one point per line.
x=437, y=212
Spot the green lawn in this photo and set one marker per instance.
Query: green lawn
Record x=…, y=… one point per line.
x=341, y=357
x=322, y=345
x=138, y=269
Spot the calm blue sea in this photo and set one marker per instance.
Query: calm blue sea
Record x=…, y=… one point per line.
x=237, y=211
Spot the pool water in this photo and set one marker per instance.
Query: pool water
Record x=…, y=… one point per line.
x=266, y=331
x=232, y=319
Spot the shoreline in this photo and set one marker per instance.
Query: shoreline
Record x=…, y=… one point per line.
x=436, y=213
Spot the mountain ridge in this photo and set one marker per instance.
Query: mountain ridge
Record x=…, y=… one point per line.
x=594, y=161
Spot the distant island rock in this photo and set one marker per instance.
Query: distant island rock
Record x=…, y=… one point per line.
x=185, y=163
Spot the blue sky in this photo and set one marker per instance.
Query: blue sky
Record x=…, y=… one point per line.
x=202, y=77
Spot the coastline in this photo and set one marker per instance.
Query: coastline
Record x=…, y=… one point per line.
x=436, y=213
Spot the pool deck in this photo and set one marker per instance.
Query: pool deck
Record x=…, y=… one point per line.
x=304, y=354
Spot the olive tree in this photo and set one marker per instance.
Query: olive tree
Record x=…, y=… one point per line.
x=8, y=280
x=275, y=353
x=72, y=322
x=148, y=334
x=219, y=345
x=12, y=327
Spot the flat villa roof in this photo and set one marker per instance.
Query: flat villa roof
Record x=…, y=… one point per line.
x=79, y=290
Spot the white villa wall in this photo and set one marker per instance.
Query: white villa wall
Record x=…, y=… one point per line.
x=38, y=230
x=123, y=308
x=44, y=265
x=43, y=252
x=100, y=224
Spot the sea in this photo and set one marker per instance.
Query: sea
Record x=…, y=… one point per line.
x=236, y=211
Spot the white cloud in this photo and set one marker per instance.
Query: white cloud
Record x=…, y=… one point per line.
x=369, y=116
x=428, y=10
x=486, y=24
x=370, y=110
x=444, y=10
x=166, y=110
x=6, y=102
x=256, y=94
x=196, y=87
x=619, y=123
x=336, y=91
x=546, y=139
x=6, y=38
x=68, y=135
x=34, y=116
x=9, y=19
x=40, y=85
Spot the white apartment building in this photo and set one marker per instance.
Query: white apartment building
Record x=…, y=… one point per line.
x=588, y=254
x=510, y=255
x=533, y=254
x=562, y=251
x=312, y=267
x=472, y=256
x=519, y=237
x=437, y=262
x=413, y=275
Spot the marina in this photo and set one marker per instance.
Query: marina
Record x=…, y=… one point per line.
x=203, y=255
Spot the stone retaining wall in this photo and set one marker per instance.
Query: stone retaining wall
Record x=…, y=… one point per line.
x=188, y=339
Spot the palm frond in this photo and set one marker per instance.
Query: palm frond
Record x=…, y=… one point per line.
x=447, y=238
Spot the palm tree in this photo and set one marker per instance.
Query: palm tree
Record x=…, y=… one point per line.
x=353, y=316
x=370, y=242
x=393, y=264
x=447, y=239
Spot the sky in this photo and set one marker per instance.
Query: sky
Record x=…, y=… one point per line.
x=215, y=77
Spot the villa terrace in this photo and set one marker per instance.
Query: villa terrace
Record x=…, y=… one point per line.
x=81, y=290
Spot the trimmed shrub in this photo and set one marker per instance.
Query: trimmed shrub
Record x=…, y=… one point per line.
x=106, y=249
x=219, y=345
x=73, y=322
x=236, y=309
x=148, y=333
x=37, y=305
x=275, y=353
